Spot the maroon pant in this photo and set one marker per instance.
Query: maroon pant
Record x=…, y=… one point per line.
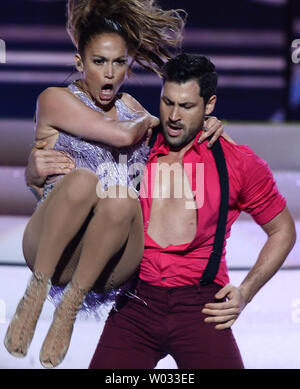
x=137, y=336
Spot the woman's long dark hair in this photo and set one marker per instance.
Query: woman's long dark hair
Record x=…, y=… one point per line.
x=150, y=32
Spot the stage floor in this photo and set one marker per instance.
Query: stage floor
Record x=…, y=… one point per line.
x=267, y=331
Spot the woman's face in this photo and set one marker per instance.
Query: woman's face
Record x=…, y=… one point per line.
x=104, y=67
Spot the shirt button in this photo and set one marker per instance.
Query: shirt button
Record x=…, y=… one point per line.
x=163, y=279
x=153, y=151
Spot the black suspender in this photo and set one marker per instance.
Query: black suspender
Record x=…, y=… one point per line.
x=212, y=267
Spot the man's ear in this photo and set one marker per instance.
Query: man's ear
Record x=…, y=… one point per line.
x=210, y=106
x=79, y=63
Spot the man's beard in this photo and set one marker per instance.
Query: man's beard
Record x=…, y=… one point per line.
x=181, y=141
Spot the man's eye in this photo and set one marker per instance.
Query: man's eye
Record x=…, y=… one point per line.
x=98, y=61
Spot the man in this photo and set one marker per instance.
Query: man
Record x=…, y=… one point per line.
x=176, y=309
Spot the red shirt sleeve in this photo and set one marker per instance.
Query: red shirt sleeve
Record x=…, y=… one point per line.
x=259, y=193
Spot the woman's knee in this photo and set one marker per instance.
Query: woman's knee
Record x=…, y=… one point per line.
x=116, y=210
x=80, y=185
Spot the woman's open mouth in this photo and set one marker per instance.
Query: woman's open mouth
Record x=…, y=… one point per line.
x=107, y=92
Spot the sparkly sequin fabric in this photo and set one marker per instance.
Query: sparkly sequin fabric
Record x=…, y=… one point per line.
x=113, y=166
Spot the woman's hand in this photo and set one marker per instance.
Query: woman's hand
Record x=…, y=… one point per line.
x=154, y=121
x=213, y=126
x=143, y=127
x=148, y=137
x=134, y=105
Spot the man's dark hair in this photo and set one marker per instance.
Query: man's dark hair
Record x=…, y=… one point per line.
x=186, y=67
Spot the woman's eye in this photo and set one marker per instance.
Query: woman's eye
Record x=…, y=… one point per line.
x=99, y=61
x=121, y=62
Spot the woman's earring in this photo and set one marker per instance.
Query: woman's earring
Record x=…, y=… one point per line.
x=79, y=66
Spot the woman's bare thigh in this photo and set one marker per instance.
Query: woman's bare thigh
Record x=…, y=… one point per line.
x=118, y=269
x=124, y=264
x=70, y=257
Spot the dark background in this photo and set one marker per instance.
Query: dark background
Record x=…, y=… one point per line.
x=248, y=40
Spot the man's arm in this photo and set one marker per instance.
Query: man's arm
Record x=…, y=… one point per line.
x=281, y=239
x=42, y=163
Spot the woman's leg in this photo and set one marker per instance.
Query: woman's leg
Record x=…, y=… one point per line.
x=66, y=212
x=116, y=223
x=75, y=191
x=52, y=217
x=69, y=259
x=123, y=262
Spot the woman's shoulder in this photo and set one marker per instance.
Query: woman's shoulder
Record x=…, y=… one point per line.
x=54, y=92
x=51, y=101
x=55, y=101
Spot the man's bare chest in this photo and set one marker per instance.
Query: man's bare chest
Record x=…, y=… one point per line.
x=171, y=220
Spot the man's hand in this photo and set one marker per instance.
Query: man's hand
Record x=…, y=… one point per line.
x=42, y=163
x=213, y=126
x=225, y=313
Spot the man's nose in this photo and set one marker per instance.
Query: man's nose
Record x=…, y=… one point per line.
x=174, y=114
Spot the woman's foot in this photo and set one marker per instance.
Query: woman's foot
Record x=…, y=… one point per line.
x=59, y=335
x=22, y=326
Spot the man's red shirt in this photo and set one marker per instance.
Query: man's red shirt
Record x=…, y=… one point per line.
x=252, y=189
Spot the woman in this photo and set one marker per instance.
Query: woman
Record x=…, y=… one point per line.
x=103, y=245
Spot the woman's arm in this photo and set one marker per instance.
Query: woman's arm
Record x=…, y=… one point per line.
x=135, y=106
x=42, y=163
x=57, y=108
